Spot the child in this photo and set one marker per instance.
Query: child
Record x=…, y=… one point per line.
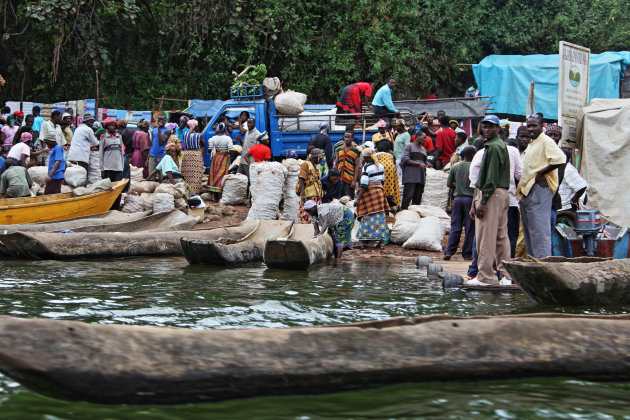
x=460, y=143
x=56, y=167
x=460, y=216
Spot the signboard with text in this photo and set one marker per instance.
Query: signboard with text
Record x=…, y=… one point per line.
x=573, y=80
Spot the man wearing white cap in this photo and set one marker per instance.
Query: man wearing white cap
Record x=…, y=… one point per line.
x=82, y=141
x=490, y=206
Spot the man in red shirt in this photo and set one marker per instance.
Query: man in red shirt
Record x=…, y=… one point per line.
x=445, y=141
x=259, y=152
x=354, y=96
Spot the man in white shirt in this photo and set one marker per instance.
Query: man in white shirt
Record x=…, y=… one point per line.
x=250, y=140
x=82, y=141
x=51, y=130
x=571, y=189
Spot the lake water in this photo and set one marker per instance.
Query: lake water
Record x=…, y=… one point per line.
x=167, y=292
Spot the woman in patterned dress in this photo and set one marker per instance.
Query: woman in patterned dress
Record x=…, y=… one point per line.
x=221, y=144
x=309, y=186
x=387, y=159
x=192, y=160
x=334, y=218
x=371, y=203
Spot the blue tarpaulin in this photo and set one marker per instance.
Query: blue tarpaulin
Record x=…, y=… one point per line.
x=201, y=108
x=506, y=79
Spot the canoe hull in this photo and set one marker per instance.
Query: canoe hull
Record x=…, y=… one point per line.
x=219, y=254
x=57, y=206
x=573, y=281
x=299, y=250
x=152, y=365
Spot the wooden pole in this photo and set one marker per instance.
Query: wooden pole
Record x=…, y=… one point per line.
x=96, y=100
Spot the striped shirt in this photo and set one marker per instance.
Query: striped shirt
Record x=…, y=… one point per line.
x=346, y=161
x=372, y=173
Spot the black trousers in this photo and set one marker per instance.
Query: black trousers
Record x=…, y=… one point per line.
x=412, y=193
x=114, y=176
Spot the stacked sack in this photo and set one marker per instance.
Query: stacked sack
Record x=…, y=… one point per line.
x=428, y=211
x=267, y=184
x=405, y=226
x=177, y=191
x=291, y=199
x=428, y=236
x=435, y=189
x=290, y=103
x=234, y=189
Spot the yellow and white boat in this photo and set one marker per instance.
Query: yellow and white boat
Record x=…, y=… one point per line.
x=52, y=207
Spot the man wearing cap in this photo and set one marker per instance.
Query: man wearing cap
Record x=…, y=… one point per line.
x=66, y=128
x=382, y=104
x=538, y=184
x=490, y=206
x=82, y=141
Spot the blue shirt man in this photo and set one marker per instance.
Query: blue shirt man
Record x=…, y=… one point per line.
x=382, y=102
x=56, y=154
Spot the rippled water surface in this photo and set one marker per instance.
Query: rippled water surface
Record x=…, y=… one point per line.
x=167, y=292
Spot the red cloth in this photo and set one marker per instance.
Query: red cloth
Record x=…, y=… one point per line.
x=260, y=152
x=431, y=96
x=445, y=141
x=428, y=143
x=350, y=99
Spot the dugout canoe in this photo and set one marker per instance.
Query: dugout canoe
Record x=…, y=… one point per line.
x=299, y=250
x=113, y=221
x=235, y=248
x=51, y=207
x=67, y=246
x=118, y=364
x=573, y=281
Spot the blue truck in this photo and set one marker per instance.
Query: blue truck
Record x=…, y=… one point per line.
x=293, y=132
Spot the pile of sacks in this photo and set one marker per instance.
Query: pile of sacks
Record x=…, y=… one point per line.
x=75, y=176
x=156, y=197
x=420, y=227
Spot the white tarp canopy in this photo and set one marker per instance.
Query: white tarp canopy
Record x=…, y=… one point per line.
x=603, y=136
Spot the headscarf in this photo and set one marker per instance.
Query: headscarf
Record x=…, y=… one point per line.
x=192, y=124
x=65, y=114
x=309, y=204
x=109, y=121
x=18, y=113
x=369, y=145
x=171, y=126
x=315, y=152
x=399, y=122
x=323, y=128
x=184, y=119
x=237, y=148
x=143, y=123
x=26, y=137
x=96, y=125
x=292, y=155
x=367, y=152
x=122, y=121
x=553, y=128
x=173, y=143
x=381, y=123
x=221, y=127
x=454, y=121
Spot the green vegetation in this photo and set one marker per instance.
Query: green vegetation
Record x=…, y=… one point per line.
x=145, y=49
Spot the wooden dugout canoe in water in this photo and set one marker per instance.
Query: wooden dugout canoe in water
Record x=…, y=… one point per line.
x=299, y=250
x=118, y=364
x=573, y=281
x=46, y=208
x=233, y=249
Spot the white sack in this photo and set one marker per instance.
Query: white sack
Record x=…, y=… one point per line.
x=34, y=189
x=405, y=226
x=163, y=202
x=143, y=187
x=133, y=204
x=75, y=176
x=66, y=189
x=427, y=211
x=267, y=191
x=428, y=236
x=234, y=189
x=290, y=103
x=291, y=199
x=147, y=201
x=435, y=189
x=271, y=86
x=38, y=174
x=181, y=204
x=94, y=168
x=136, y=175
x=166, y=188
x=102, y=185
x=308, y=121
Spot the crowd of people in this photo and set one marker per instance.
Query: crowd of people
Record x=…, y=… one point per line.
x=505, y=192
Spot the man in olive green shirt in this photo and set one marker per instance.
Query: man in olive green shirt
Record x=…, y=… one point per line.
x=490, y=206
x=15, y=181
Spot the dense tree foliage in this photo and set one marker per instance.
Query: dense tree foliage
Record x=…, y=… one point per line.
x=51, y=49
